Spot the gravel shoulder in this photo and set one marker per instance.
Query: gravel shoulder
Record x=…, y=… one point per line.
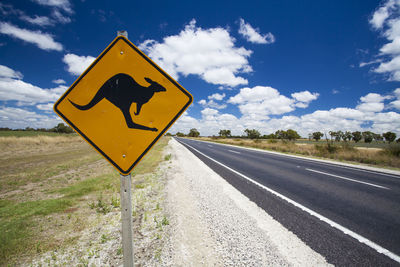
x=212, y=224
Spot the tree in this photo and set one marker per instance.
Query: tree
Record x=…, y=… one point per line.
x=317, y=135
x=225, y=133
x=332, y=134
x=62, y=128
x=281, y=134
x=368, y=136
x=389, y=136
x=338, y=136
x=270, y=136
x=347, y=136
x=193, y=133
x=292, y=134
x=378, y=137
x=356, y=136
x=252, y=134
x=179, y=134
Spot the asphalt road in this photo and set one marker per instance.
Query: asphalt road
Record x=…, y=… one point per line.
x=349, y=215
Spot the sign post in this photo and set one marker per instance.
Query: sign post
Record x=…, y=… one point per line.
x=126, y=209
x=122, y=104
x=126, y=218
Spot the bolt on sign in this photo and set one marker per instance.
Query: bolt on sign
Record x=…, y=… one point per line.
x=122, y=104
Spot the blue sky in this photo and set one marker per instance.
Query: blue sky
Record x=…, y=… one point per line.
x=269, y=65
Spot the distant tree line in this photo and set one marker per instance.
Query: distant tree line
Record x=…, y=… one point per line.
x=356, y=136
x=292, y=135
x=60, y=128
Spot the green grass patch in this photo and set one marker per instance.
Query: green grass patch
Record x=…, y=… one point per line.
x=16, y=220
x=85, y=187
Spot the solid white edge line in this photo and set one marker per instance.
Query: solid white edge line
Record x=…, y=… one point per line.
x=234, y=151
x=380, y=171
x=345, y=178
x=343, y=229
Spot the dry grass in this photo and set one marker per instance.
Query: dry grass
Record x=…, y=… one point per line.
x=344, y=152
x=46, y=186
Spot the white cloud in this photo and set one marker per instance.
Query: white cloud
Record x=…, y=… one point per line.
x=77, y=64
x=6, y=72
x=208, y=53
x=61, y=4
x=20, y=118
x=13, y=88
x=211, y=103
x=216, y=96
x=253, y=35
x=38, y=20
x=382, y=14
x=261, y=101
x=372, y=102
x=386, y=20
x=396, y=104
x=42, y=40
x=304, y=98
x=58, y=81
x=45, y=107
x=58, y=16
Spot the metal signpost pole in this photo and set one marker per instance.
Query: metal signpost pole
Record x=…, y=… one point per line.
x=126, y=209
x=126, y=217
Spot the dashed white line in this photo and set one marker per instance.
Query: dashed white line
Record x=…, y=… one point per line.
x=234, y=151
x=319, y=161
x=210, y=145
x=348, y=179
x=341, y=228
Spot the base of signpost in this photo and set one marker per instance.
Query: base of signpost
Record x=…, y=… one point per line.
x=126, y=218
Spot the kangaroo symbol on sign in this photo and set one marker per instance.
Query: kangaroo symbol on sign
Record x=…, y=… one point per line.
x=122, y=90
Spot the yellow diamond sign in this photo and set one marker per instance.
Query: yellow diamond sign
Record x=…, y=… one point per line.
x=122, y=104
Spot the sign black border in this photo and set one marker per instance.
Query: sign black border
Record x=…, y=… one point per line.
x=161, y=133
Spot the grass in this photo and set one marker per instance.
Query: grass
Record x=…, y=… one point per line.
x=31, y=133
x=387, y=156
x=48, y=185
x=374, y=144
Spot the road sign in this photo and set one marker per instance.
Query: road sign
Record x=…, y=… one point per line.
x=122, y=104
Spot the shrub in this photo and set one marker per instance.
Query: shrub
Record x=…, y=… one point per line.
x=393, y=149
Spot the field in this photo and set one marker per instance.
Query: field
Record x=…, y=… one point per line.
x=55, y=187
x=32, y=133
x=376, y=154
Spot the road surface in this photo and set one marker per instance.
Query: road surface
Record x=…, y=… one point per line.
x=350, y=216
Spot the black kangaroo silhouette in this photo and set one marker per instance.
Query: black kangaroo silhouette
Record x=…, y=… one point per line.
x=122, y=90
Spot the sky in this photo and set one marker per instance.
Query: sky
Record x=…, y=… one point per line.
x=266, y=65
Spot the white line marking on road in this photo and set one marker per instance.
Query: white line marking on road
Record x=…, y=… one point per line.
x=319, y=161
x=234, y=151
x=343, y=229
x=348, y=179
x=210, y=145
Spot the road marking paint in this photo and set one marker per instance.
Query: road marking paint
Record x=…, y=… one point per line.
x=234, y=151
x=210, y=145
x=348, y=179
x=341, y=228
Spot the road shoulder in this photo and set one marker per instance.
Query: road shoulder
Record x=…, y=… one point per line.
x=214, y=224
